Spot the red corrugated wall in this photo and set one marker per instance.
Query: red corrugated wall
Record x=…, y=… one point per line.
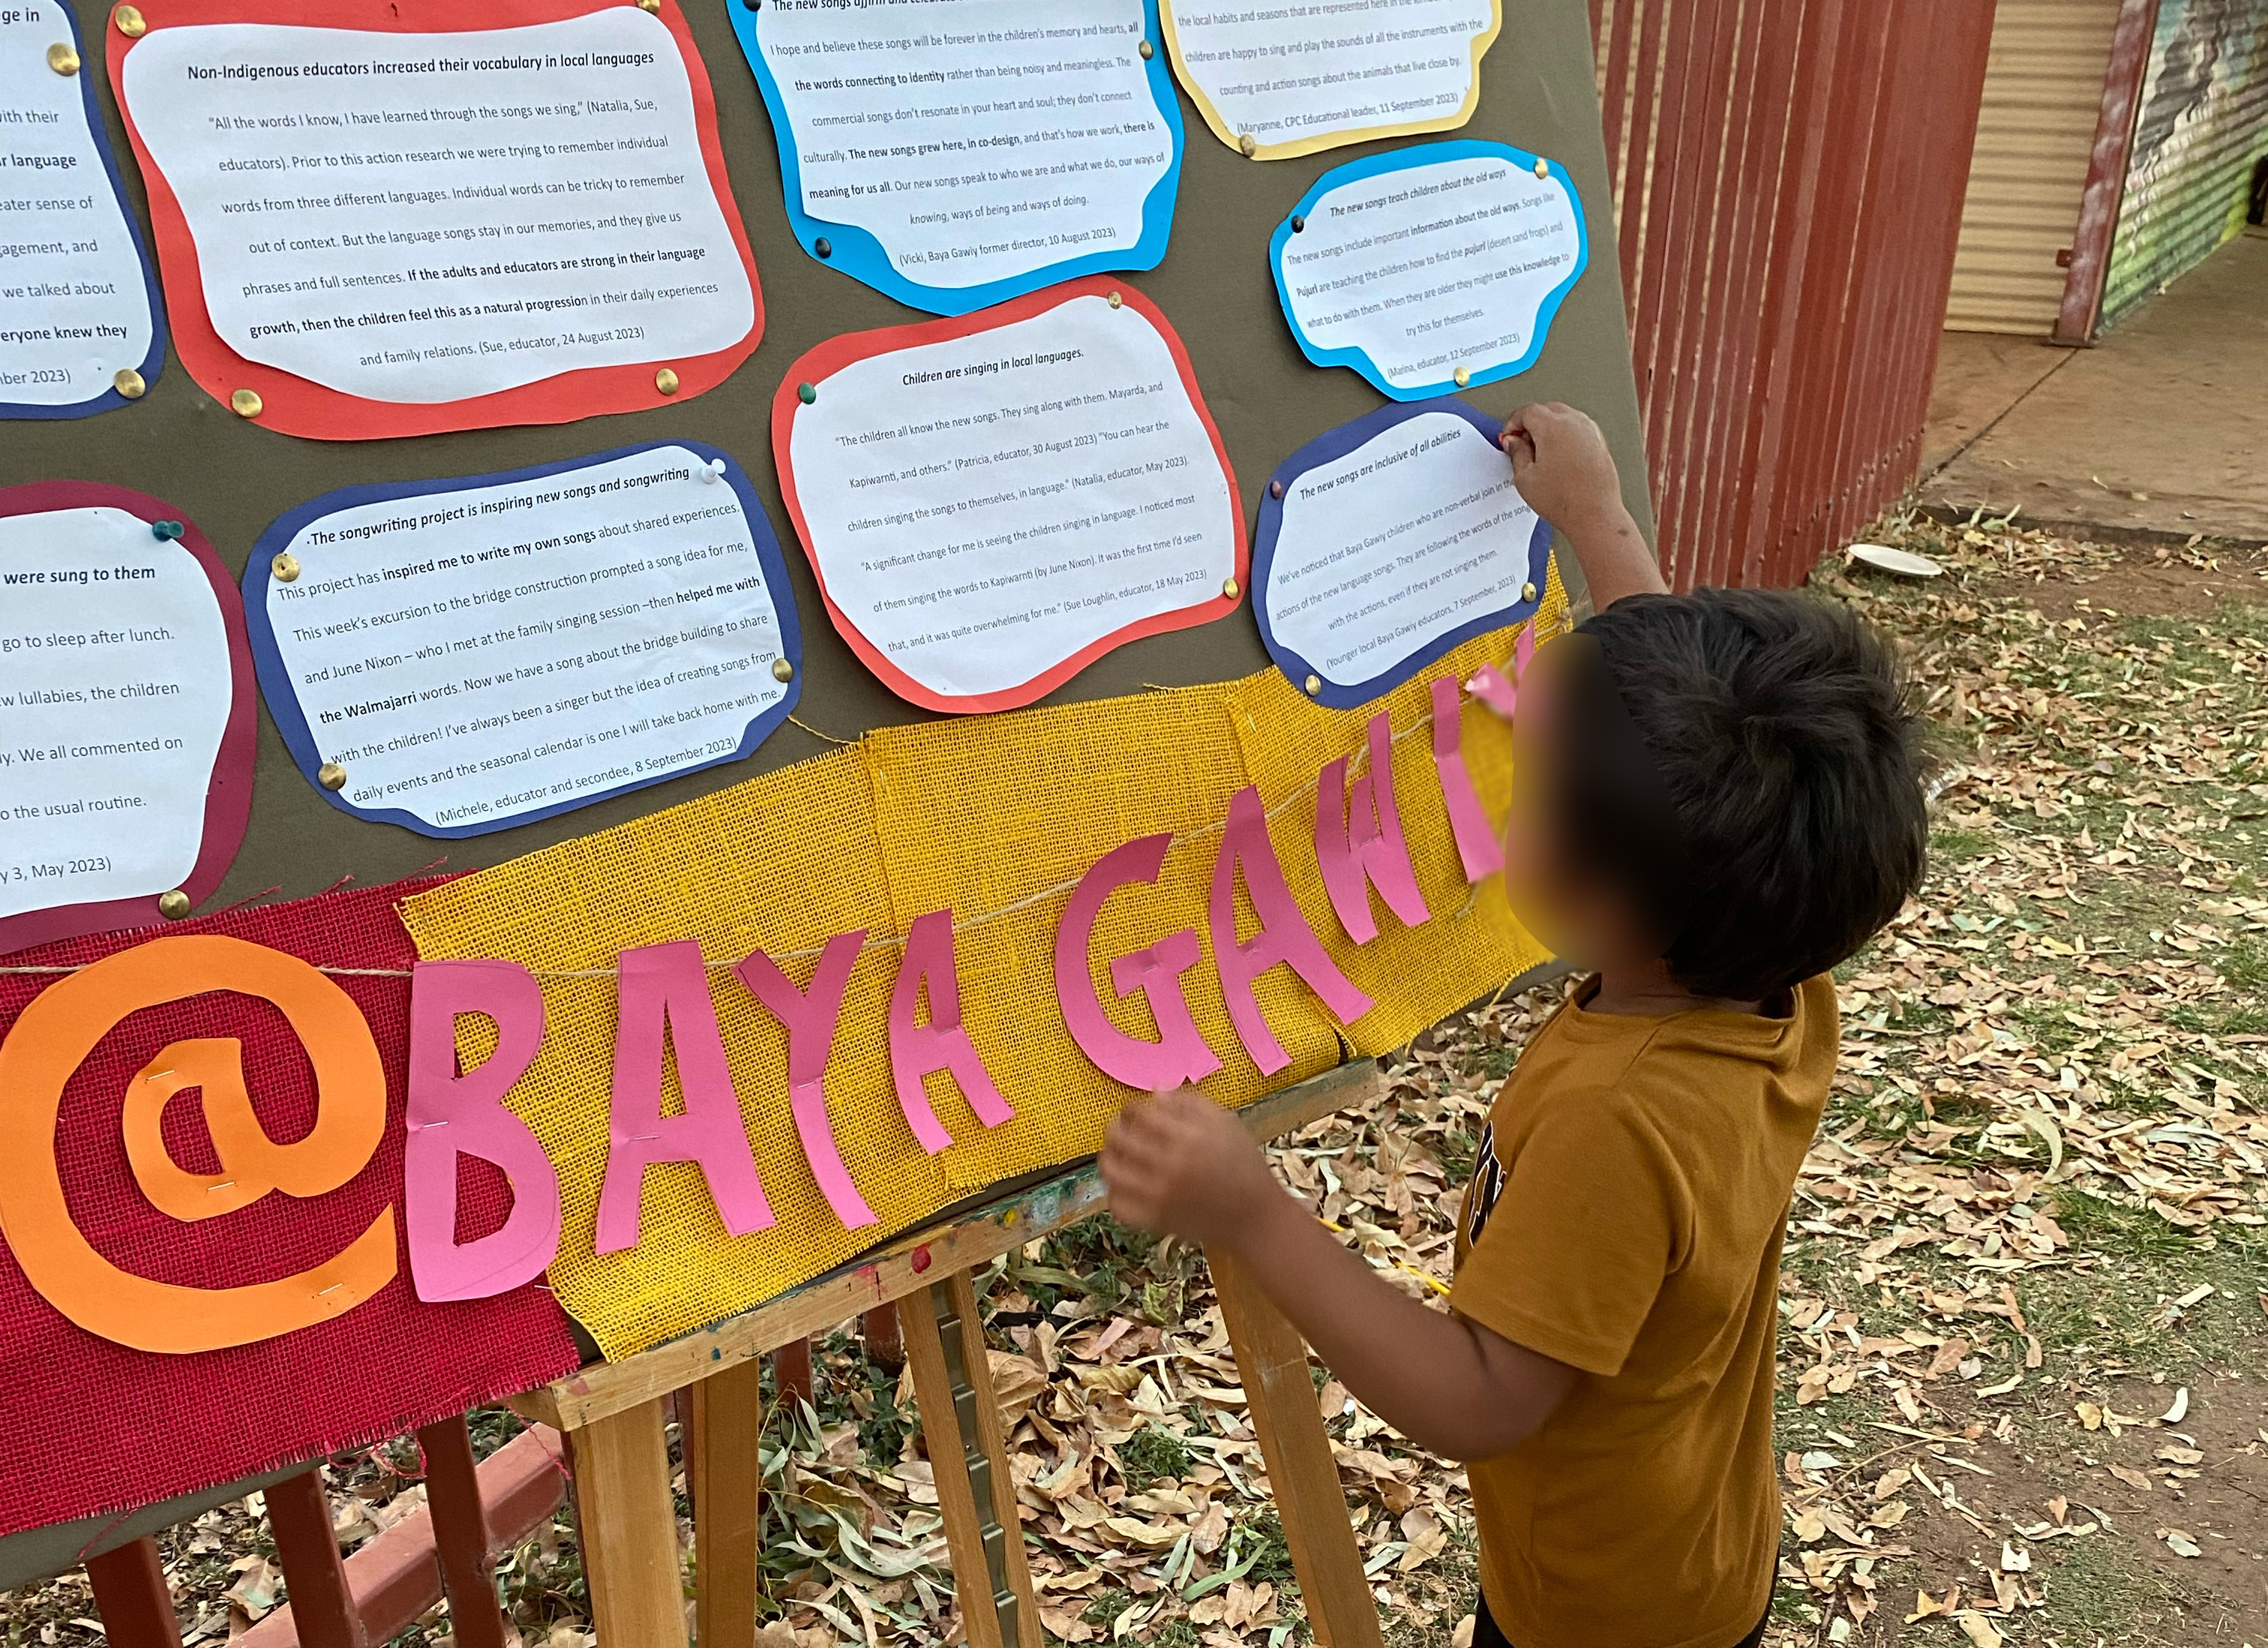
x=1788, y=177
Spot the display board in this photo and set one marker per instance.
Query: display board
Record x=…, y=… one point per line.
x=938, y=783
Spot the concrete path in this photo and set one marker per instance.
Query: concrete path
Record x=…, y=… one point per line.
x=2161, y=429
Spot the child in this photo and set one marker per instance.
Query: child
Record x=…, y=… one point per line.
x=1718, y=798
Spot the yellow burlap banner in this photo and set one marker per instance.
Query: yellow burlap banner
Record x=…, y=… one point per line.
x=996, y=819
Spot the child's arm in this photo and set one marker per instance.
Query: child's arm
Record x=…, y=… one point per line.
x=1561, y=465
x=1182, y=1165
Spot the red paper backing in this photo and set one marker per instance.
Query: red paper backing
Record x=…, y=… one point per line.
x=816, y=365
x=228, y=796
x=88, y=1427
x=296, y=406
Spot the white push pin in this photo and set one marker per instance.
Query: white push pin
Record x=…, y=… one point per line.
x=713, y=470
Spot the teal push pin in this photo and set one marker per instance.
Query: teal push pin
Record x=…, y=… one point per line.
x=166, y=531
x=808, y=393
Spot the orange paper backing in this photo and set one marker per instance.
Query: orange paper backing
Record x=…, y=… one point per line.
x=995, y=818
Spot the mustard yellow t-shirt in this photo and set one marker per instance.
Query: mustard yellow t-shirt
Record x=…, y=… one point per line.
x=1624, y=1217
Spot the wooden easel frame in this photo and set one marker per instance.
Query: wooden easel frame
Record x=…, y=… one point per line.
x=613, y=1415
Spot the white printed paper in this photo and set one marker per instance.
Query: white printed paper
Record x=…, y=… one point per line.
x=473, y=657
x=115, y=686
x=1425, y=268
x=1415, y=532
x=429, y=217
x=1336, y=72
x=985, y=508
x=76, y=308
x=977, y=141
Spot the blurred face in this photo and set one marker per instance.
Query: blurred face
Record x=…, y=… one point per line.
x=1583, y=920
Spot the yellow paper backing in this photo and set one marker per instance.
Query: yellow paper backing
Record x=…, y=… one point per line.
x=1320, y=141
x=995, y=818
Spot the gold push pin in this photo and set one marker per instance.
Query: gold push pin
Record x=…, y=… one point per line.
x=1543, y=167
x=782, y=670
x=666, y=380
x=1314, y=684
x=285, y=566
x=1230, y=589
x=1249, y=145
x=246, y=403
x=1115, y=300
x=1527, y=592
x=1147, y=50
x=62, y=58
x=1462, y=377
x=129, y=22
x=331, y=775
x=649, y=5
x=174, y=905
x=128, y=383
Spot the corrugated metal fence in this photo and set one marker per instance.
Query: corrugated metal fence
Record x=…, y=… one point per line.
x=1788, y=184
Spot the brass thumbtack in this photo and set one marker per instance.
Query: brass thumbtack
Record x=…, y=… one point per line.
x=1249, y=145
x=1230, y=589
x=1543, y=167
x=129, y=22
x=331, y=775
x=649, y=5
x=1462, y=376
x=782, y=670
x=174, y=905
x=806, y=392
x=1147, y=50
x=128, y=383
x=1314, y=684
x=1115, y=300
x=666, y=380
x=63, y=58
x=1527, y=592
x=246, y=403
x=285, y=566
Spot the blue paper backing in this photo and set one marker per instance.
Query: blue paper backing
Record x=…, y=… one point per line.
x=1400, y=160
x=154, y=362
x=284, y=702
x=858, y=254
x=1336, y=443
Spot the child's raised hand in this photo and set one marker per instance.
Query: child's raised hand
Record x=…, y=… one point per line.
x=1561, y=464
x=1179, y=1164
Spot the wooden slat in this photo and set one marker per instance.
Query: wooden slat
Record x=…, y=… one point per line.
x=1271, y=1361
x=956, y=1500
x=727, y=1474
x=322, y=1607
x=993, y=1437
x=130, y=1594
x=461, y=1541
x=628, y=1529
x=878, y=1328
x=792, y=1369
x=911, y=1262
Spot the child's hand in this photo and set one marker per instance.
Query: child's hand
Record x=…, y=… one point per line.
x=1179, y=1164
x=1561, y=465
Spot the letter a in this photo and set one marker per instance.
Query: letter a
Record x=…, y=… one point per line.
x=942, y=1044
x=662, y=990
x=1284, y=937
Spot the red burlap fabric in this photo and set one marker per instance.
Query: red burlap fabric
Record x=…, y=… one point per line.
x=89, y=1427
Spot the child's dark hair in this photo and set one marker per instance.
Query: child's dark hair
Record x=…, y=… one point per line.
x=1781, y=729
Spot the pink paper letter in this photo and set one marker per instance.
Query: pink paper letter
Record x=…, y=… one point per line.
x=449, y=1115
x=942, y=1044
x=1356, y=854
x=810, y=1017
x=1476, y=842
x=1489, y=683
x=1284, y=937
x=663, y=989
x=1179, y=1053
